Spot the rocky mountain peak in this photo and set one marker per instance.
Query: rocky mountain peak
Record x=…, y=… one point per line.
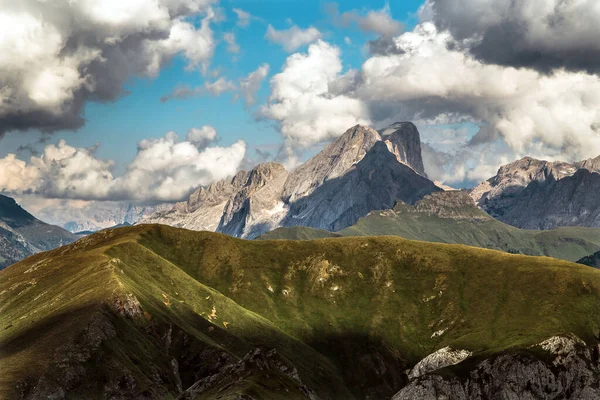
x=592, y=164
x=404, y=141
x=263, y=173
x=537, y=194
x=333, y=161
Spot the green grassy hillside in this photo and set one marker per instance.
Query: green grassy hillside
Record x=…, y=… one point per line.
x=451, y=217
x=153, y=310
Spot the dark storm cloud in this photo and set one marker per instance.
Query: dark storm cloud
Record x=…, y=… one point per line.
x=542, y=34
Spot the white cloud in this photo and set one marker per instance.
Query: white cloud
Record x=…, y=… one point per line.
x=202, y=137
x=164, y=169
x=553, y=115
x=219, y=86
x=292, y=38
x=250, y=85
x=232, y=46
x=302, y=105
x=377, y=21
x=55, y=56
x=243, y=17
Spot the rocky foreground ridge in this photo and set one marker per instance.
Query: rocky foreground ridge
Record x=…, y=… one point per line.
x=361, y=171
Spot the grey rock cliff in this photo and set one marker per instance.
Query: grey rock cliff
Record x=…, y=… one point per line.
x=404, y=141
x=375, y=183
x=569, y=370
x=534, y=194
x=332, y=162
x=357, y=173
x=257, y=207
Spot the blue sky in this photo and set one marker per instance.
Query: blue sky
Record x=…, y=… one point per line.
x=119, y=126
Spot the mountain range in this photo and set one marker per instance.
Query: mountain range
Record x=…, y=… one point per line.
x=367, y=170
x=151, y=311
x=534, y=194
x=453, y=217
x=361, y=171
x=21, y=234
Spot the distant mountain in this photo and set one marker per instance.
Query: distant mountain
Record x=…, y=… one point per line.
x=154, y=312
x=534, y=194
x=592, y=261
x=21, y=234
x=361, y=171
x=453, y=217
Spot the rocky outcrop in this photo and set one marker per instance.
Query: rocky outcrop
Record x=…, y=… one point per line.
x=558, y=368
x=377, y=182
x=534, y=194
x=257, y=362
x=359, y=172
x=21, y=234
x=437, y=360
x=258, y=206
x=403, y=140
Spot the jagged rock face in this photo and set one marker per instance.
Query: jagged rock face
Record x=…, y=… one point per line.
x=404, y=141
x=204, y=208
x=534, y=194
x=437, y=360
x=257, y=207
x=21, y=234
x=572, y=373
x=342, y=183
x=375, y=183
x=331, y=163
x=571, y=201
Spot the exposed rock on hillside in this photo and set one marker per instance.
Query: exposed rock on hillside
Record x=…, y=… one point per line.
x=568, y=370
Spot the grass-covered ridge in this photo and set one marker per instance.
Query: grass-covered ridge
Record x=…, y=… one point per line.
x=334, y=308
x=452, y=217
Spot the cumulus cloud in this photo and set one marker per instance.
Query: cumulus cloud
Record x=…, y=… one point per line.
x=300, y=101
x=377, y=21
x=292, y=38
x=541, y=34
x=533, y=113
x=164, y=169
x=250, y=85
x=55, y=56
x=202, y=137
